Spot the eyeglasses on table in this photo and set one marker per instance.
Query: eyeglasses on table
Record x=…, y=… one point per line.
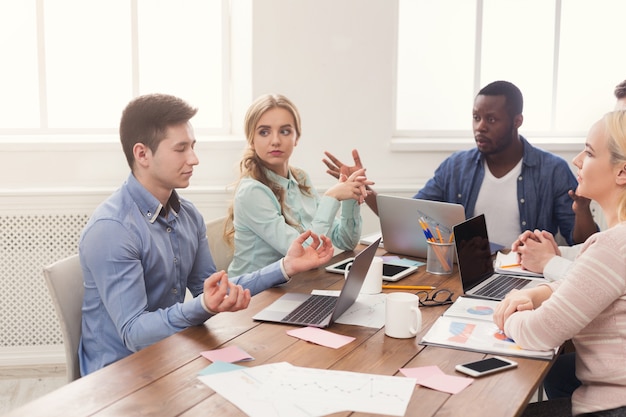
x=437, y=298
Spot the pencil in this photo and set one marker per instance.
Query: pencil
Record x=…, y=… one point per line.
x=408, y=287
x=510, y=266
x=439, y=234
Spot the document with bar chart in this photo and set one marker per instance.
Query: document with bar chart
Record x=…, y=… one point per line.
x=468, y=325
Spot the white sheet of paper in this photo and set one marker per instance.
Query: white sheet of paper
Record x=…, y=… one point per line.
x=280, y=389
x=368, y=310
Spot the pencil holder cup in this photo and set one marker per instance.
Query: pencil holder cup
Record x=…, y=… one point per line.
x=440, y=258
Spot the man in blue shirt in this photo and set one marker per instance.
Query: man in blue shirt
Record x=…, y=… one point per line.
x=516, y=185
x=145, y=245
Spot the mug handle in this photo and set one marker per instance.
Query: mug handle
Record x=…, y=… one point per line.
x=345, y=272
x=418, y=321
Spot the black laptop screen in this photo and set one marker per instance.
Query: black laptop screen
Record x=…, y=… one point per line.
x=473, y=252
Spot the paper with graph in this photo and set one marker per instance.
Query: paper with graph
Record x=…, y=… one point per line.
x=468, y=325
x=284, y=390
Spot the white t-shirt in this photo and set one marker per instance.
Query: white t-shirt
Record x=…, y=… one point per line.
x=497, y=200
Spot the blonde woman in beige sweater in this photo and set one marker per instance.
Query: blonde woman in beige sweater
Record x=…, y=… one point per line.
x=589, y=304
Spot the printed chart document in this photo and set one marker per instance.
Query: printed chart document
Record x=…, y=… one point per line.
x=507, y=261
x=284, y=390
x=468, y=325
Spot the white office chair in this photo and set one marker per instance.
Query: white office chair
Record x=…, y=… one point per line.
x=221, y=251
x=64, y=279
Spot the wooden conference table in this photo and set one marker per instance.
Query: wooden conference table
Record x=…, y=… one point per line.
x=162, y=379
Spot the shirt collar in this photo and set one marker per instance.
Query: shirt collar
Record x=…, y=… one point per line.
x=282, y=181
x=530, y=156
x=148, y=204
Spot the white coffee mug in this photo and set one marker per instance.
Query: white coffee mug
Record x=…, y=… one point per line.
x=403, y=318
x=373, y=282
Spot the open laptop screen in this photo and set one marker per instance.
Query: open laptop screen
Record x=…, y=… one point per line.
x=473, y=251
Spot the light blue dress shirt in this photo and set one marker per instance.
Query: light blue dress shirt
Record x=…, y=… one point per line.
x=136, y=264
x=262, y=234
x=542, y=188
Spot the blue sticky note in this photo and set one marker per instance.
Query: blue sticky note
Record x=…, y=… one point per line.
x=219, y=367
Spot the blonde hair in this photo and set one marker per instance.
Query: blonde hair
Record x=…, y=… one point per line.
x=615, y=123
x=251, y=164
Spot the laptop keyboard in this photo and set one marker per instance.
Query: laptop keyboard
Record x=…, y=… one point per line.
x=500, y=287
x=313, y=311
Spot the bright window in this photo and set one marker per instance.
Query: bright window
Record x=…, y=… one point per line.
x=564, y=56
x=75, y=64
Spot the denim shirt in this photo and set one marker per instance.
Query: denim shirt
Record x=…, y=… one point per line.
x=542, y=188
x=136, y=266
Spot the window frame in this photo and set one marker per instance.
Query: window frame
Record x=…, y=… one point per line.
x=414, y=140
x=235, y=14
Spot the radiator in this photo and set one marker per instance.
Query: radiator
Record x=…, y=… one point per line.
x=27, y=244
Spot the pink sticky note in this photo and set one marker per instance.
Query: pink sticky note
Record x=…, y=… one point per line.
x=228, y=354
x=321, y=337
x=447, y=383
x=421, y=373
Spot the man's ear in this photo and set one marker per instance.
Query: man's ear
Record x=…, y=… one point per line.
x=517, y=121
x=141, y=153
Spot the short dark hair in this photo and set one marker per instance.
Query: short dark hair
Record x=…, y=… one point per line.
x=513, y=95
x=620, y=90
x=146, y=119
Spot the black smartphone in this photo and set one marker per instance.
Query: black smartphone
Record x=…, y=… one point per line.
x=486, y=366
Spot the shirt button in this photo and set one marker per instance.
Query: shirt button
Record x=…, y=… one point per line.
x=520, y=178
x=459, y=195
x=522, y=200
x=175, y=260
x=149, y=214
x=169, y=230
x=523, y=223
x=174, y=291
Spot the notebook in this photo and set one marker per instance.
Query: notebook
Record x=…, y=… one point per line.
x=321, y=310
x=476, y=265
x=399, y=222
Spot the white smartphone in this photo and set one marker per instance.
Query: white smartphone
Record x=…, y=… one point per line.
x=391, y=271
x=486, y=366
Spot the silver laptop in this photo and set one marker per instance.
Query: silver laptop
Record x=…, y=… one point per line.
x=321, y=310
x=400, y=227
x=476, y=264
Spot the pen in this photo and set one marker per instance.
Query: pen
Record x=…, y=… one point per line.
x=510, y=266
x=408, y=287
x=427, y=233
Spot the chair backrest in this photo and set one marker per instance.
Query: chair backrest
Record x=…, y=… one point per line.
x=64, y=279
x=221, y=251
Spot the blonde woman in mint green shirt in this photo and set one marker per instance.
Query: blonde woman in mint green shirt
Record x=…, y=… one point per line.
x=275, y=202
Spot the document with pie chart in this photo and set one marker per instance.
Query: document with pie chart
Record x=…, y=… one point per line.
x=468, y=325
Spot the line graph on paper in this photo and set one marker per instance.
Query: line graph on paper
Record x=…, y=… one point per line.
x=363, y=387
x=283, y=390
x=368, y=310
x=344, y=390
